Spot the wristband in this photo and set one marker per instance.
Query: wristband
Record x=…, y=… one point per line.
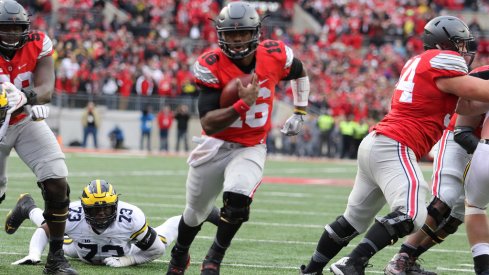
x=300, y=112
x=30, y=95
x=241, y=107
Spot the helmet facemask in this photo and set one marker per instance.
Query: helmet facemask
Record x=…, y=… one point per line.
x=99, y=201
x=241, y=49
x=13, y=36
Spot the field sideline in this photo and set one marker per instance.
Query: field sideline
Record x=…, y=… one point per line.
x=295, y=201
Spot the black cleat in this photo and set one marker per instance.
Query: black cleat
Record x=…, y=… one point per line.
x=210, y=267
x=56, y=264
x=349, y=266
x=303, y=271
x=19, y=213
x=178, y=263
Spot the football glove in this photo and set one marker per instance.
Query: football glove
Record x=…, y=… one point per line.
x=118, y=261
x=39, y=112
x=16, y=98
x=27, y=260
x=293, y=125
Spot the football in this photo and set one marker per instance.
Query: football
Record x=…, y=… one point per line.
x=229, y=95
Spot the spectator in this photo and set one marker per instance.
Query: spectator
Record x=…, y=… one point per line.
x=165, y=120
x=116, y=137
x=90, y=122
x=182, y=117
x=147, y=118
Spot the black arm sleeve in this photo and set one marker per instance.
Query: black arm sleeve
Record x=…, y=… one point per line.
x=295, y=70
x=208, y=100
x=148, y=239
x=465, y=137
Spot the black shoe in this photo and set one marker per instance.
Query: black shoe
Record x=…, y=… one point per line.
x=19, y=213
x=178, y=263
x=210, y=266
x=349, y=266
x=303, y=271
x=58, y=265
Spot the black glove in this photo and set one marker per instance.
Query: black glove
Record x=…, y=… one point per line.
x=465, y=137
x=2, y=198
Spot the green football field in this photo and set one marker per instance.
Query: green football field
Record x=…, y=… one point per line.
x=297, y=198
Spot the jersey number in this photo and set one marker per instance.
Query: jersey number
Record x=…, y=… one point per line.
x=75, y=214
x=406, y=84
x=22, y=80
x=93, y=248
x=257, y=115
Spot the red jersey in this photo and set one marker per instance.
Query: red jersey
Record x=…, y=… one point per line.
x=214, y=69
x=419, y=110
x=19, y=70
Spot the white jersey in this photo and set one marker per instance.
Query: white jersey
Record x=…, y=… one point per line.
x=117, y=240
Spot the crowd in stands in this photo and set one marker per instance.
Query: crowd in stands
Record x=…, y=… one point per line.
x=147, y=47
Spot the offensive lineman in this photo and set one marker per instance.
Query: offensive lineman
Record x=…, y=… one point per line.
x=102, y=230
x=425, y=97
x=232, y=151
x=27, y=75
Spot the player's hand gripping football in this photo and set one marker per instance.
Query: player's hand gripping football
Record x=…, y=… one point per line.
x=249, y=94
x=293, y=125
x=39, y=112
x=27, y=260
x=16, y=98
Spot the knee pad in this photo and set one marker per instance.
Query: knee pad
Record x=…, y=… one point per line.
x=341, y=231
x=450, y=225
x=397, y=225
x=236, y=208
x=438, y=210
x=56, y=199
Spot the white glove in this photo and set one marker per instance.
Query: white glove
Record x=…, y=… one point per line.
x=39, y=112
x=27, y=260
x=118, y=261
x=15, y=97
x=293, y=125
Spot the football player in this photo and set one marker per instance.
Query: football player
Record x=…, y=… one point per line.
x=425, y=97
x=446, y=210
x=231, y=153
x=102, y=230
x=27, y=75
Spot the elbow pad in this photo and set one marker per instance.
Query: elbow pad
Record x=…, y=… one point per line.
x=465, y=137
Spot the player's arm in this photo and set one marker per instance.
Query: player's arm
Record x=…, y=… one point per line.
x=467, y=87
x=299, y=82
x=464, y=132
x=213, y=118
x=150, y=248
x=39, y=241
x=43, y=82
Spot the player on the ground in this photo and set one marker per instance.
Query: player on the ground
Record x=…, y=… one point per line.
x=102, y=230
x=446, y=210
x=231, y=154
x=27, y=75
x=425, y=97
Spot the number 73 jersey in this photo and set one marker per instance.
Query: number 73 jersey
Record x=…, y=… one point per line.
x=214, y=70
x=419, y=110
x=116, y=241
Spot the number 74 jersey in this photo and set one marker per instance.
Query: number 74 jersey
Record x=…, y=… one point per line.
x=419, y=110
x=117, y=240
x=214, y=70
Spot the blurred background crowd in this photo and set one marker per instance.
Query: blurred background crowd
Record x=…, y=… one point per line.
x=131, y=54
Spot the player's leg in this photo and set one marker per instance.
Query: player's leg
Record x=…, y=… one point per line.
x=38, y=148
x=168, y=231
x=477, y=198
x=204, y=183
x=242, y=177
x=398, y=175
x=365, y=200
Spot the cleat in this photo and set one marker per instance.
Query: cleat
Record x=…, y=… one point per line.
x=210, y=267
x=416, y=269
x=397, y=265
x=349, y=266
x=178, y=263
x=19, y=213
x=56, y=264
x=303, y=271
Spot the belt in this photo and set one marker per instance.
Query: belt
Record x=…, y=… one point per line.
x=485, y=141
x=231, y=145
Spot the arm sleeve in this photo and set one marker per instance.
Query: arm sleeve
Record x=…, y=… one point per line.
x=295, y=70
x=208, y=100
x=151, y=247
